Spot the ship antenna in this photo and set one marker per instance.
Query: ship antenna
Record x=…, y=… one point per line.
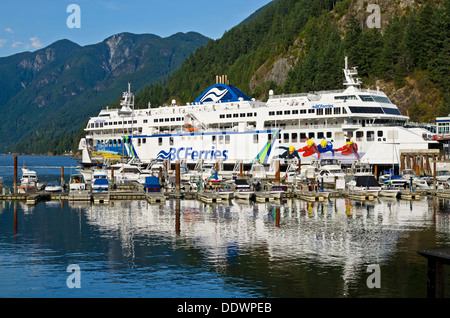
x=350, y=80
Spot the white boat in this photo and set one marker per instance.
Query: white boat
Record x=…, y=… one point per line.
x=443, y=175
x=77, y=184
x=325, y=170
x=100, y=185
x=407, y=174
x=223, y=124
x=53, y=186
x=226, y=194
x=206, y=172
x=29, y=181
x=243, y=190
x=394, y=180
x=364, y=185
x=257, y=170
x=421, y=184
x=387, y=191
x=277, y=191
x=127, y=172
x=3, y=189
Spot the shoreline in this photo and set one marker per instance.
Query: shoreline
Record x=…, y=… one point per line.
x=73, y=156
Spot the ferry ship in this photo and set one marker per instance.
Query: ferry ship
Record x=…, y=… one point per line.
x=225, y=125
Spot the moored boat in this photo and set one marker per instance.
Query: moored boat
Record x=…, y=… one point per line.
x=77, y=184
x=54, y=186
x=278, y=191
x=243, y=190
x=29, y=181
x=365, y=184
x=100, y=185
x=389, y=191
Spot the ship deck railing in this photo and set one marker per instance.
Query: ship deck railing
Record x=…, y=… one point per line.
x=334, y=91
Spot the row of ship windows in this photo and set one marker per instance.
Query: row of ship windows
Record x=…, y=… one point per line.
x=285, y=138
x=359, y=136
x=236, y=115
x=318, y=111
x=366, y=98
x=289, y=137
x=112, y=123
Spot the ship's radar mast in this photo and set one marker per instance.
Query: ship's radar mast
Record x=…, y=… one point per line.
x=350, y=80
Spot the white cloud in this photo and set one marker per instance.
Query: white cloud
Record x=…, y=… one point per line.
x=16, y=44
x=35, y=42
x=9, y=30
x=2, y=43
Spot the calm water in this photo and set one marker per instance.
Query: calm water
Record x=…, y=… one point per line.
x=190, y=249
x=48, y=168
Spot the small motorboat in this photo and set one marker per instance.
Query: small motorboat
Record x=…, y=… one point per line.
x=77, y=184
x=53, y=186
x=100, y=185
x=366, y=184
x=278, y=191
x=243, y=190
x=152, y=184
x=389, y=191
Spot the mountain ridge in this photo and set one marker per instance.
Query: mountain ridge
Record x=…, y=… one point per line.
x=47, y=95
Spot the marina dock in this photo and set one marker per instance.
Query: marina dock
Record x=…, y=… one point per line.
x=206, y=197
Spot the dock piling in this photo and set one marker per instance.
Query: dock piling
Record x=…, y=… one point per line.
x=15, y=174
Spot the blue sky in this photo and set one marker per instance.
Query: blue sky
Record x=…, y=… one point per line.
x=28, y=25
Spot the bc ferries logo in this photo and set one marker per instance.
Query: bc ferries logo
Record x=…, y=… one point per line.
x=188, y=153
x=215, y=94
x=323, y=106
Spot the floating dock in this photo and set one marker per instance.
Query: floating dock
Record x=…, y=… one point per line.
x=409, y=195
x=310, y=196
x=101, y=198
x=263, y=197
x=155, y=197
x=210, y=197
x=359, y=196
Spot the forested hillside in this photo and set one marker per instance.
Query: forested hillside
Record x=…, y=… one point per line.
x=299, y=45
x=47, y=96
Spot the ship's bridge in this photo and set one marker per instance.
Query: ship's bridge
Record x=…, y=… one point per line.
x=221, y=93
